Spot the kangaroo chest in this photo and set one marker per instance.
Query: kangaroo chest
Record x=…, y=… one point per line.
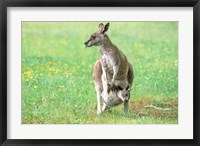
x=107, y=61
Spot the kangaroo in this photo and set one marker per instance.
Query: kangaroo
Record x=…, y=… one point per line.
x=113, y=62
x=116, y=94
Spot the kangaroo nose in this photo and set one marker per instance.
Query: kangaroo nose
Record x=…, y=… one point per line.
x=86, y=43
x=126, y=99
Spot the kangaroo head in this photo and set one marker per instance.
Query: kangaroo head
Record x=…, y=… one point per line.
x=122, y=93
x=98, y=38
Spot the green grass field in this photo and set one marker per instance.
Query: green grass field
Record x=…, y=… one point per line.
x=57, y=85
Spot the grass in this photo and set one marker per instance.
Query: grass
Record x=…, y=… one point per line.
x=57, y=85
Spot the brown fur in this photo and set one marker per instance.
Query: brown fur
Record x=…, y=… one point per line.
x=112, y=69
x=97, y=78
x=97, y=74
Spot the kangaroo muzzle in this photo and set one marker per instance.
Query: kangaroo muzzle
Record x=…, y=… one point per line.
x=87, y=43
x=126, y=99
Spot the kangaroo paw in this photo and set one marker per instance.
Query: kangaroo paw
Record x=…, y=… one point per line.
x=99, y=112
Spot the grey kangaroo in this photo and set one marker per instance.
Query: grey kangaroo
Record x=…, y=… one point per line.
x=116, y=94
x=113, y=62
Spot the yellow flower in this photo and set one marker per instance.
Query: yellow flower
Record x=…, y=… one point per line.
x=35, y=86
x=90, y=66
x=57, y=70
x=54, y=70
x=61, y=86
x=51, y=62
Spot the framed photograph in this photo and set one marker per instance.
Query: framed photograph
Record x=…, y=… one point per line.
x=99, y=72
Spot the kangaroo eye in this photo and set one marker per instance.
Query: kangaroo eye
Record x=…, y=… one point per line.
x=127, y=87
x=93, y=37
x=120, y=88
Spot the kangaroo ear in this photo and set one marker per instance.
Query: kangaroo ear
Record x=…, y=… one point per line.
x=101, y=27
x=128, y=88
x=106, y=27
